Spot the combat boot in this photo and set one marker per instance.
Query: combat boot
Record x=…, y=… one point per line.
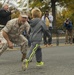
x=23, y=56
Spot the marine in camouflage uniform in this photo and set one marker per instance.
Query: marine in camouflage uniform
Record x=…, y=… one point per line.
x=12, y=33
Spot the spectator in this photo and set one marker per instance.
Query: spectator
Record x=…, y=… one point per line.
x=48, y=19
x=5, y=14
x=12, y=33
x=68, y=27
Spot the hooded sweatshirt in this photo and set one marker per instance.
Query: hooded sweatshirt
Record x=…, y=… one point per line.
x=37, y=28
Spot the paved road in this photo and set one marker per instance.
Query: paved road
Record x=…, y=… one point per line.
x=59, y=60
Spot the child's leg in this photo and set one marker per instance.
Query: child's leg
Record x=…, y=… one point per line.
x=39, y=57
x=29, y=56
x=32, y=51
x=39, y=54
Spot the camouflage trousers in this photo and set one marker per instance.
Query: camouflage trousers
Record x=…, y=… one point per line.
x=21, y=41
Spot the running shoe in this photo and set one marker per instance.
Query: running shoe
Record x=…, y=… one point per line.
x=40, y=63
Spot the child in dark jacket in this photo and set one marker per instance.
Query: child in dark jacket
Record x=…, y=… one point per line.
x=38, y=27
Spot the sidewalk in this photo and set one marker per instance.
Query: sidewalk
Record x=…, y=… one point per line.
x=59, y=37
x=54, y=44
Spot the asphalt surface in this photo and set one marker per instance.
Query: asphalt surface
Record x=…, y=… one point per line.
x=59, y=60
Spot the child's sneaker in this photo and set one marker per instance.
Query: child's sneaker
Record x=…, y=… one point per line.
x=25, y=64
x=40, y=63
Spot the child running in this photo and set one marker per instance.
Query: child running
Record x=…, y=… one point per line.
x=37, y=29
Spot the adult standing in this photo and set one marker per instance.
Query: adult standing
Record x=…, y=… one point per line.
x=48, y=19
x=69, y=32
x=5, y=14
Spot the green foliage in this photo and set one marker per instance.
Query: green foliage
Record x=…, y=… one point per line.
x=15, y=15
x=40, y=4
x=68, y=13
